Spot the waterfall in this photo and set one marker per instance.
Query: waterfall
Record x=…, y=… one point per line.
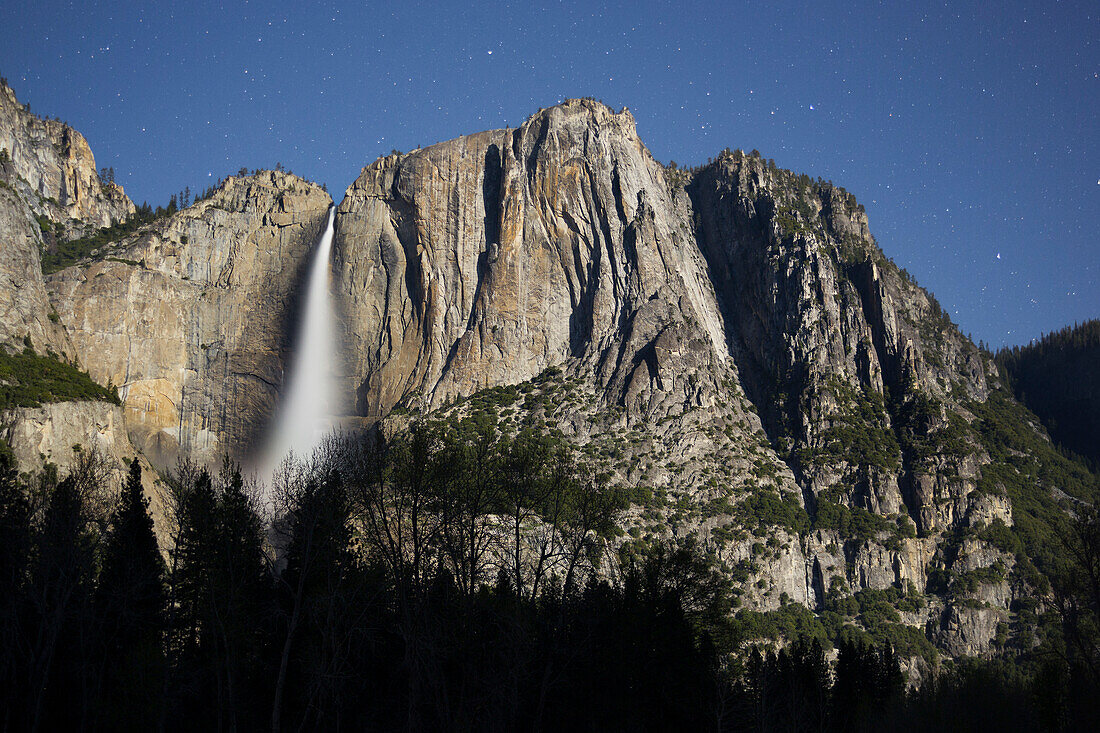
x=305, y=416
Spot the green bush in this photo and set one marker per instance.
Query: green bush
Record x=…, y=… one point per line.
x=1000, y=536
x=877, y=613
x=790, y=621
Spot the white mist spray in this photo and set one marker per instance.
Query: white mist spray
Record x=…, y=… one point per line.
x=306, y=415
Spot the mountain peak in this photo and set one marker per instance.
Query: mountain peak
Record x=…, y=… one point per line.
x=54, y=163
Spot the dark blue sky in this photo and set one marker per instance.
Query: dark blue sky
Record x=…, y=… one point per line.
x=970, y=134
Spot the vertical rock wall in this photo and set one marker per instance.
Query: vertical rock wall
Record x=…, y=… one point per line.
x=190, y=317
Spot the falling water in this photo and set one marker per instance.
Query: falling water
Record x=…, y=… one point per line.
x=305, y=416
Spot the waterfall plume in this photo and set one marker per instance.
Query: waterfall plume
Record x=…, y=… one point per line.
x=305, y=415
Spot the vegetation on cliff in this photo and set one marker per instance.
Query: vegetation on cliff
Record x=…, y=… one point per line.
x=29, y=379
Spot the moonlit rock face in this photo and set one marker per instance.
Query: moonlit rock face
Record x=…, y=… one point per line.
x=305, y=416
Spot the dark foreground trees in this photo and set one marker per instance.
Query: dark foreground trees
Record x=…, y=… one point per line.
x=129, y=607
x=440, y=581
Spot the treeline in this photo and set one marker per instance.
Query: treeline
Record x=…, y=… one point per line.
x=441, y=580
x=1058, y=378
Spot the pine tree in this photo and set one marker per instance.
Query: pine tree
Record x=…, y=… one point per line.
x=193, y=559
x=317, y=588
x=15, y=551
x=130, y=608
x=192, y=663
x=240, y=590
x=61, y=590
x=220, y=589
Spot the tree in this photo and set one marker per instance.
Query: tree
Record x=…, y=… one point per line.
x=221, y=590
x=239, y=589
x=469, y=493
x=534, y=483
x=62, y=584
x=15, y=552
x=130, y=610
x=318, y=593
x=1076, y=595
x=189, y=672
x=868, y=681
x=394, y=489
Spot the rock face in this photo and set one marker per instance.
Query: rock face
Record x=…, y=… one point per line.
x=690, y=315
x=483, y=260
x=832, y=338
x=189, y=316
x=25, y=309
x=61, y=433
x=58, y=431
x=52, y=156
x=54, y=164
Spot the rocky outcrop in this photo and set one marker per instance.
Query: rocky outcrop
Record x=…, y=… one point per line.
x=558, y=254
x=854, y=368
x=483, y=260
x=58, y=432
x=732, y=336
x=189, y=316
x=25, y=310
x=63, y=434
x=968, y=630
x=53, y=166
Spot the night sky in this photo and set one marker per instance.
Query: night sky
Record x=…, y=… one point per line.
x=969, y=133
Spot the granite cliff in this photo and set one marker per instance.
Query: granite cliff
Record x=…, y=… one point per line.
x=48, y=181
x=189, y=316
x=186, y=316
x=728, y=342
x=52, y=167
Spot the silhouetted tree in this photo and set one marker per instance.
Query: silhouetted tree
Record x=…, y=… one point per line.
x=15, y=554
x=130, y=609
x=62, y=587
x=221, y=591
x=318, y=598
x=868, y=681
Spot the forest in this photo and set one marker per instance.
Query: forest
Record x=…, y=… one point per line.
x=442, y=580
x=1056, y=377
